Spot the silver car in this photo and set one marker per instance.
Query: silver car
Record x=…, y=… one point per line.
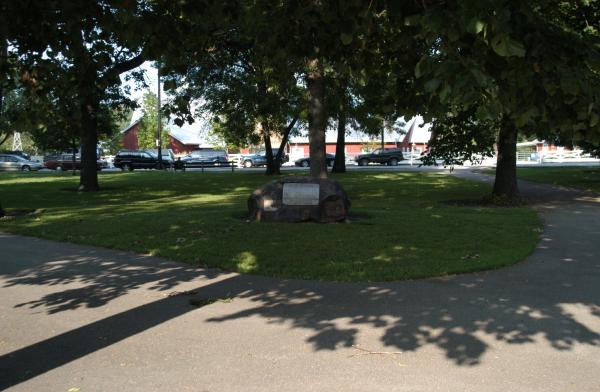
x=14, y=163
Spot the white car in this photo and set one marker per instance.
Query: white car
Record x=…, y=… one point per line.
x=10, y=162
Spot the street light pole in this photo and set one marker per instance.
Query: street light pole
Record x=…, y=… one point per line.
x=159, y=125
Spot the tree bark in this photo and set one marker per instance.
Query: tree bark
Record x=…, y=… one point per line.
x=339, y=164
x=3, y=55
x=271, y=169
x=88, y=177
x=284, y=140
x=317, y=119
x=89, y=103
x=505, y=184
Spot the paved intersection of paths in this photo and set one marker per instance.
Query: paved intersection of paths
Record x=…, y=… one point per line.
x=82, y=317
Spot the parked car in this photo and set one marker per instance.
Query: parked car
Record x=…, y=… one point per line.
x=18, y=153
x=305, y=162
x=387, y=156
x=199, y=158
x=128, y=160
x=9, y=162
x=207, y=155
x=260, y=158
x=166, y=154
x=65, y=162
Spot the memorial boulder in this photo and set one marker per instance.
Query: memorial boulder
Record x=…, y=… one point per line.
x=299, y=199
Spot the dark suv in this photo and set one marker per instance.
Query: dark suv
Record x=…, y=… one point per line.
x=387, y=156
x=260, y=158
x=202, y=158
x=128, y=160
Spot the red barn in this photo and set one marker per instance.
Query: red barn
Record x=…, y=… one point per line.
x=181, y=140
x=416, y=138
x=130, y=140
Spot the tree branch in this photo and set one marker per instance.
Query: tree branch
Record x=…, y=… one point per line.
x=125, y=66
x=4, y=139
x=284, y=139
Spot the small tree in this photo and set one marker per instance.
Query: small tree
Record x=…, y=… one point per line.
x=148, y=130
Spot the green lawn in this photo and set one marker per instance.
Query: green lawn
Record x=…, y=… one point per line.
x=401, y=228
x=585, y=178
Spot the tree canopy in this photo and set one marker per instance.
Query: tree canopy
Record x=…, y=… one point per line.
x=484, y=71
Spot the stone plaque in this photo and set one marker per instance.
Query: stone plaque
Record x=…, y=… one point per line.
x=300, y=194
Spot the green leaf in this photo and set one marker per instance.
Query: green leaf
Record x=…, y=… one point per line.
x=432, y=85
x=421, y=67
x=412, y=20
x=487, y=112
x=346, y=38
x=445, y=92
x=479, y=76
x=505, y=46
x=526, y=117
x=169, y=85
x=594, y=119
x=453, y=35
x=475, y=26
x=569, y=85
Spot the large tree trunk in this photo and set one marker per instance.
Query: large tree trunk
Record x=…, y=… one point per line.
x=339, y=164
x=316, y=119
x=505, y=184
x=88, y=178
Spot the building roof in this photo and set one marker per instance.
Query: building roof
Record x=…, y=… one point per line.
x=352, y=137
x=133, y=124
x=421, y=133
x=534, y=142
x=418, y=132
x=191, y=136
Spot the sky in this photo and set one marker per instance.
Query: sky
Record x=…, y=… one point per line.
x=151, y=77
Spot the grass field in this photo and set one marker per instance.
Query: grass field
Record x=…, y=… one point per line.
x=401, y=228
x=585, y=178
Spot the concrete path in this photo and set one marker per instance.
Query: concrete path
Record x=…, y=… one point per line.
x=78, y=318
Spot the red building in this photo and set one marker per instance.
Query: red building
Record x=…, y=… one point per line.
x=415, y=139
x=181, y=141
x=130, y=140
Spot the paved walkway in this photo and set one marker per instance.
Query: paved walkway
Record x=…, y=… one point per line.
x=98, y=320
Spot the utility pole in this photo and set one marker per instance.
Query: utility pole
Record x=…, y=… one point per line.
x=159, y=125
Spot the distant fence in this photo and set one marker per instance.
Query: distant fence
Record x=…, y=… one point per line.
x=558, y=156
x=237, y=158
